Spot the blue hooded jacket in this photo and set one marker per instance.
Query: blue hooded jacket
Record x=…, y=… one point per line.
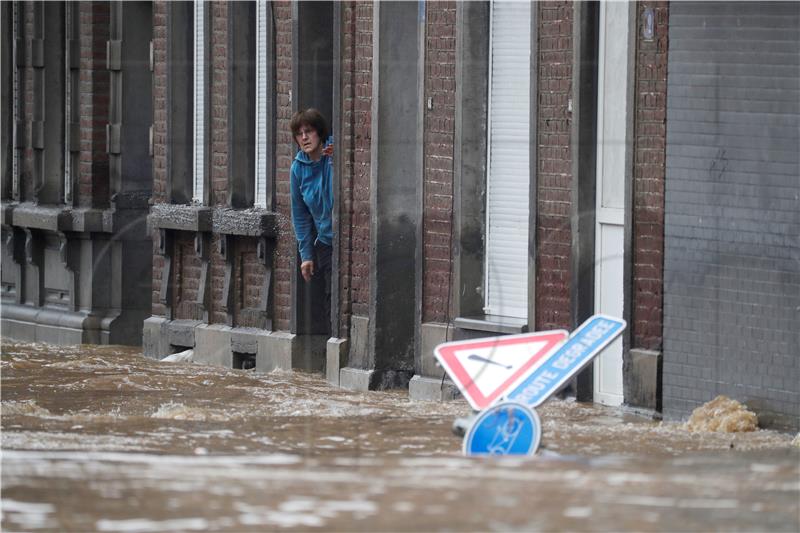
x=311, y=184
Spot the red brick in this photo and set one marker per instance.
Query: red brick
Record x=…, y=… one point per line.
x=649, y=174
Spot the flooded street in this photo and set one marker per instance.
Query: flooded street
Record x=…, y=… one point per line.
x=103, y=439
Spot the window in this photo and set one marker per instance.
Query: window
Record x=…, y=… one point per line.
x=49, y=90
x=180, y=109
x=7, y=114
x=242, y=108
x=508, y=161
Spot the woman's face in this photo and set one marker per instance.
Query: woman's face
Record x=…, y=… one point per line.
x=308, y=140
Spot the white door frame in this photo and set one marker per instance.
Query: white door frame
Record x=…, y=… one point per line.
x=613, y=150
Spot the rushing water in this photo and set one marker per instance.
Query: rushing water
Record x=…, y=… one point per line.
x=103, y=439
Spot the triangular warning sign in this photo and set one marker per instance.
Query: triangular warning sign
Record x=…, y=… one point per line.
x=483, y=369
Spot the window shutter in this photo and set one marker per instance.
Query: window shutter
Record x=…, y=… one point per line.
x=199, y=102
x=261, y=103
x=509, y=160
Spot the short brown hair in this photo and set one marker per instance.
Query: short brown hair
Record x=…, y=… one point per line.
x=313, y=118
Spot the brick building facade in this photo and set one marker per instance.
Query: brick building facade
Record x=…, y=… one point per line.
x=408, y=89
x=76, y=174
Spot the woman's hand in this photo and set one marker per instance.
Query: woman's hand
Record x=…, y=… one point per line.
x=328, y=150
x=307, y=269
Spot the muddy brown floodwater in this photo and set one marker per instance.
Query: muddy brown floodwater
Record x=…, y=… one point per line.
x=103, y=439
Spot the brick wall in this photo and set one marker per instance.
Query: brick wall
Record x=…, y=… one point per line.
x=218, y=173
x=216, y=313
x=345, y=147
x=440, y=56
x=362, y=104
x=160, y=193
x=247, y=282
x=648, y=182
x=93, y=182
x=554, y=184
x=186, y=265
x=158, y=272
x=249, y=276
x=285, y=149
x=185, y=277
x=219, y=104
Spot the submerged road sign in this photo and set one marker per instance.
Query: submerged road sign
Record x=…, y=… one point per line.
x=506, y=428
x=484, y=369
x=583, y=345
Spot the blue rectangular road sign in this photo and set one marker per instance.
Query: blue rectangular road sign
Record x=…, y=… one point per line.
x=582, y=346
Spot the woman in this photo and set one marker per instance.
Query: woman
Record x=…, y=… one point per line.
x=311, y=184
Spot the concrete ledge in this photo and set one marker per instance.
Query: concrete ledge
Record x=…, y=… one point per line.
x=245, y=340
x=154, y=338
x=336, y=358
x=6, y=212
x=51, y=218
x=62, y=335
x=275, y=350
x=432, y=335
x=181, y=332
x=42, y=324
x=355, y=379
x=92, y=220
x=17, y=330
x=430, y=389
x=642, y=379
x=180, y=217
x=359, y=342
x=253, y=222
x=493, y=324
x=363, y=380
x=213, y=345
x=60, y=218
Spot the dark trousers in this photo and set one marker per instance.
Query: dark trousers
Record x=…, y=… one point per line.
x=322, y=266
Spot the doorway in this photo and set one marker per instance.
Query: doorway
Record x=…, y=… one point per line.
x=612, y=168
x=315, y=84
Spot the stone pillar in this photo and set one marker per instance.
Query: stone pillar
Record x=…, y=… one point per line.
x=386, y=359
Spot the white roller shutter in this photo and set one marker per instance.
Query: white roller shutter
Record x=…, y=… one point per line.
x=262, y=60
x=199, y=101
x=508, y=160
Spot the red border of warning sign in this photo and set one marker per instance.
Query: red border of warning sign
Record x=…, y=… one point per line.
x=445, y=354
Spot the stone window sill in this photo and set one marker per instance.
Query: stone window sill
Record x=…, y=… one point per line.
x=251, y=222
x=58, y=218
x=180, y=217
x=492, y=324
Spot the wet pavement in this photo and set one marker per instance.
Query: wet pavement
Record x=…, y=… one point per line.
x=103, y=439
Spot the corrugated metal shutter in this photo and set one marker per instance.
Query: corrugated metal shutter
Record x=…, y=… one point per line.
x=509, y=161
x=262, y=9
x=199, y=101
x=732, y=205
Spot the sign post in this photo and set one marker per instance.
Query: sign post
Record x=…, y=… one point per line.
x=524, y=371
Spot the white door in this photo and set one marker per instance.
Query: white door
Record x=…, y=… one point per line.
x=508, y=179
x=612, y=118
